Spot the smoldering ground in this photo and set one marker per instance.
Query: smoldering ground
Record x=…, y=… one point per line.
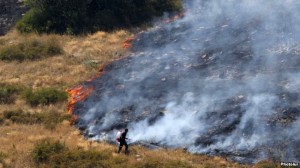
x=223, y=80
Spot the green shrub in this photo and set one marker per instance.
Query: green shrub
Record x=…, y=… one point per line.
x=91, y=64
x=51, y=119
x=32, y=22
x=44, y=149
x=56, y=154
x=12, y=53
x=23, y=118
x=2, y=156
x=33, y=49
x=48, y=119
x=77, y=16
x=8, y=93
x=44, y=96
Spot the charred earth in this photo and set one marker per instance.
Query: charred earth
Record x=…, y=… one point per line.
x=222, y=80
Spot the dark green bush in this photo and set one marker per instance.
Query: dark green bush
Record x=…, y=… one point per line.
x=56, y=154
x=77, y=16
x=44, y=96
x=45, y=149
x=21, y=117
x=48, y=119
x=8, y=93
x=31, y=50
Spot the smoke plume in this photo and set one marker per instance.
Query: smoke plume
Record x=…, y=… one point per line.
x=222, y=80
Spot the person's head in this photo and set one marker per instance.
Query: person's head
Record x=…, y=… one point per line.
x=126, y=129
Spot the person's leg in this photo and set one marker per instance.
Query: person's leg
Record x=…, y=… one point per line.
x=126, y=148
x=120, y=147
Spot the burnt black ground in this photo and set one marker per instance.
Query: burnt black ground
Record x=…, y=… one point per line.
x=229, y=88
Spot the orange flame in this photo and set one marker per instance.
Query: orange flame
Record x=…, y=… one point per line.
x=77, y=94
x=80, y=93
x=127, y=43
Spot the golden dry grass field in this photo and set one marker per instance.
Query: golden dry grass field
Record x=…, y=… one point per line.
x=78, y=62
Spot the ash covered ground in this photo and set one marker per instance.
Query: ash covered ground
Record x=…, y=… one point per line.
x=222, y=80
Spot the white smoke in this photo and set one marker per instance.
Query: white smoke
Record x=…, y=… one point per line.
x=214, y=81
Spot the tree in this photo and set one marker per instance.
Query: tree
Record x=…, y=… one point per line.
x=78, y=16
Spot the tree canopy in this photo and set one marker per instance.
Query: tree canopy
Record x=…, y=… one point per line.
x=78, y=16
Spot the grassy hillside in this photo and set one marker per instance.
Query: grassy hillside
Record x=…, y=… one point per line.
x=26, y=125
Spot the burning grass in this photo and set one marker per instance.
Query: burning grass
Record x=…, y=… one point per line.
x=76, y=94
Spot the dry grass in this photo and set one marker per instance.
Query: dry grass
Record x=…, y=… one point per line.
x=18, y=141
x=67, y=69
x=61, y=72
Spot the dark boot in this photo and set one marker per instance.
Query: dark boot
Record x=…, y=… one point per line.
x=120, y=148
x=126, y=149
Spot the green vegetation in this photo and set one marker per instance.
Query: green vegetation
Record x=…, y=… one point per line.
x=44, y=96
x=91, y=64
x=31, y=49
x=8, y=93
x=56, y=154
x=77, y=16
x=2, y=157
x=45, y=149
x=48, y=119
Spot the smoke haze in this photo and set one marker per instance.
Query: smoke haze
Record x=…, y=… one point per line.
x=223, y=80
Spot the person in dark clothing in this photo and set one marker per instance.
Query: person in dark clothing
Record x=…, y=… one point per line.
x=123, y=141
